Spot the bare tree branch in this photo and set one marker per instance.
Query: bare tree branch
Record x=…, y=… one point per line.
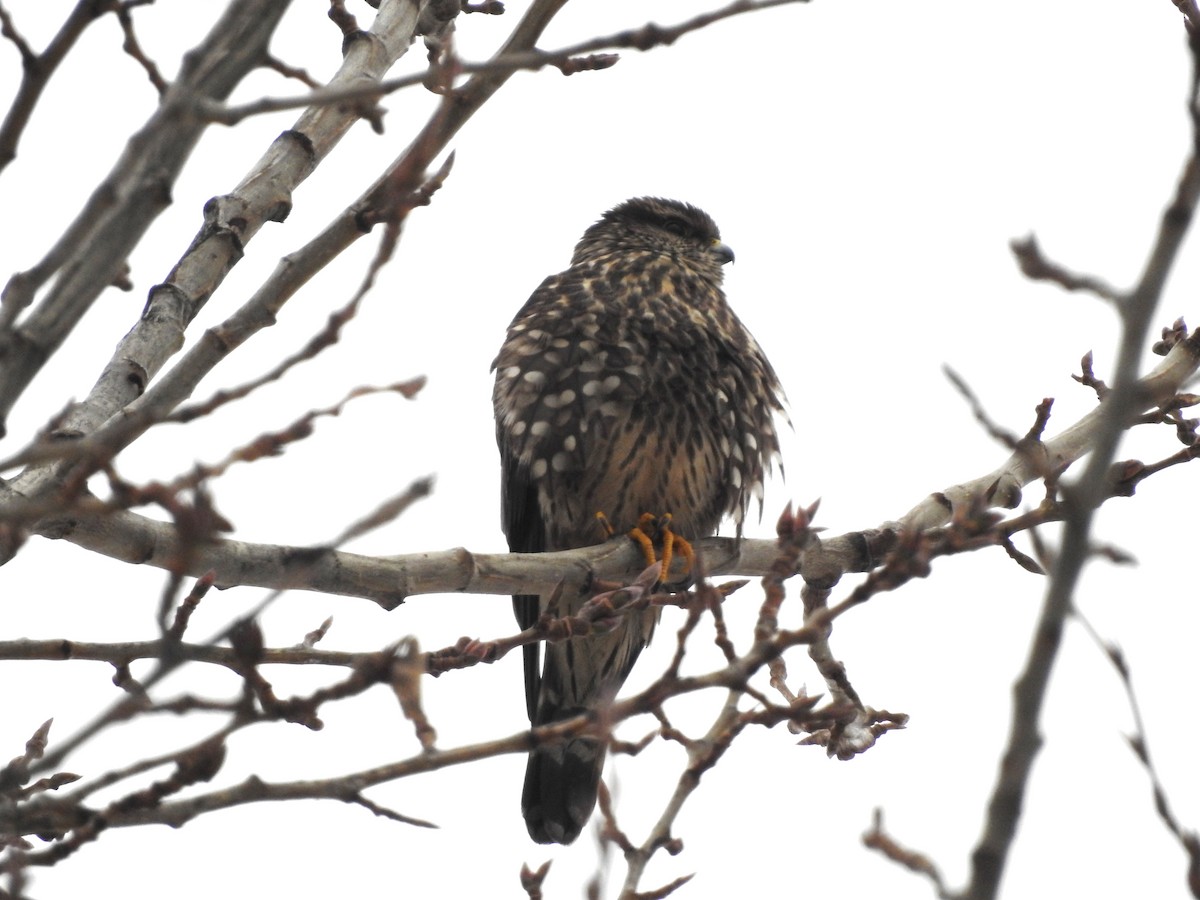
x=172, y=305
x=47, y=814
x=1120, y=406
x=388, y=580
x=93, y=250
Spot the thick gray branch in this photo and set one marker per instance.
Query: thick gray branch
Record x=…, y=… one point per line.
x=388, y=580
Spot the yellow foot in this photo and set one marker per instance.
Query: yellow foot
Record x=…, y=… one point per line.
x=650, y=528
x=643, y=533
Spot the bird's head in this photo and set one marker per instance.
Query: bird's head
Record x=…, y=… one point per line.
x=670, y=227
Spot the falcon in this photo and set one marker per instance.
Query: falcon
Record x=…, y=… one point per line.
x=625, y=386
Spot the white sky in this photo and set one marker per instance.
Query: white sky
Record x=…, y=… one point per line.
x=869, y=163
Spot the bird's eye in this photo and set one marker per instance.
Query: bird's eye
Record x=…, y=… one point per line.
x=676, y=226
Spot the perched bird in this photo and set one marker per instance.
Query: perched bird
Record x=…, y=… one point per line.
x=625, y=385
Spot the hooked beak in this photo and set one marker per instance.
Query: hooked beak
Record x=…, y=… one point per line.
x=722, y=252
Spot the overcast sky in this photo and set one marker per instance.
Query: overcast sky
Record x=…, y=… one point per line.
x=869, y=162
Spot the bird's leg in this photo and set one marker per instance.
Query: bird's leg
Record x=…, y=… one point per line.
x=650, y=529
x=668, y=545
x=674, y=544
x=641, y=533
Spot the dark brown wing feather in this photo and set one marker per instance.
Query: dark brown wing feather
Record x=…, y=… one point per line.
x=522, y=523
